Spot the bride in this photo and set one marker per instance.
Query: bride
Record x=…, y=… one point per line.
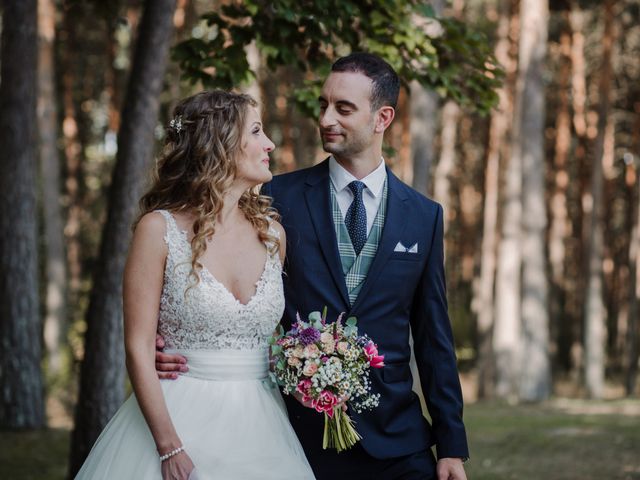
x=204, y=270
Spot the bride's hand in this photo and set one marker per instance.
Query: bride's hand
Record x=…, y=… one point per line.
x=177, y=467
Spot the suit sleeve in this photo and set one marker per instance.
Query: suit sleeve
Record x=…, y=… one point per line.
x=435, y=353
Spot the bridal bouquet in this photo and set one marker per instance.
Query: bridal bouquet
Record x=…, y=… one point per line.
x=328, y=364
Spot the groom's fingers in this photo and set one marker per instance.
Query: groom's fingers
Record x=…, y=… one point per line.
x=170, y=363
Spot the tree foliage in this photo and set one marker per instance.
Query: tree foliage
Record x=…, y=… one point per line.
x=441, y=53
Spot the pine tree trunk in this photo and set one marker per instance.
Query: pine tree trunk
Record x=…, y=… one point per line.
x=424, y=114
x=572, y=336
x=21, y=396
x=506, y=329
x=495, y=151
x=447, y=161
x=55, y=263
x=632, y=347
x=633, y=340
x=423, y=124
x=535, y=376
x=595, y=313
x=102, y=373
x=73, y=163
x=560, y=225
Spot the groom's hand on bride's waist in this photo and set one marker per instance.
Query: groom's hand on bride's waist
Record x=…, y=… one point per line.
x=168, y=365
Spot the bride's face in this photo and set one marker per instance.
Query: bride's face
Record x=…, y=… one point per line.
x=252, y=165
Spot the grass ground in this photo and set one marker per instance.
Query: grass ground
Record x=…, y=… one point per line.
x=560, y=440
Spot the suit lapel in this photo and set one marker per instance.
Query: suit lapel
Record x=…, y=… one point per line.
x=394, y=225
x=319, y=207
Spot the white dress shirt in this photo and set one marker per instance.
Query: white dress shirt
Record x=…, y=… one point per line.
x=371, y=196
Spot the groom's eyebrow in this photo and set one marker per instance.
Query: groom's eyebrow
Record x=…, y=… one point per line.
x=339, y=103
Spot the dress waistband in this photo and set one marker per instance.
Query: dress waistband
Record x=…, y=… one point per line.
x=226, y=365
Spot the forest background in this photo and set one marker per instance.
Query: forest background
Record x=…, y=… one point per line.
x=521, y=117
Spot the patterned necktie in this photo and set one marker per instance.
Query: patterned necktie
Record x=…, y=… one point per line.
x=356, y=219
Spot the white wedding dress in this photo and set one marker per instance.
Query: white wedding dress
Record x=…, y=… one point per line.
x=231, y=420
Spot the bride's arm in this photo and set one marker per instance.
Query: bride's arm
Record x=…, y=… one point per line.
x=143, y=279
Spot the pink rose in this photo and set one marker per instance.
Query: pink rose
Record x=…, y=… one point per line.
x=311, y=351
x=310, y=368
x=371, y=351
x=325, y=402
x=326, y=337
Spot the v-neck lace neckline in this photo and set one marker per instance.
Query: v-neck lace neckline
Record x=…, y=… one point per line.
x=212, y=278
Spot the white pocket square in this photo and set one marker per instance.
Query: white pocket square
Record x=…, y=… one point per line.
x=401, y=248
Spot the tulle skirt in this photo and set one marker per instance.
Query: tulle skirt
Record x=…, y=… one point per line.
x=231, y=420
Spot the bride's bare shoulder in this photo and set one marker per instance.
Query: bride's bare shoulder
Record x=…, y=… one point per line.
x=150, y=230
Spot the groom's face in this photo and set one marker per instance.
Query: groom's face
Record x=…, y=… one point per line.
x=346, y=120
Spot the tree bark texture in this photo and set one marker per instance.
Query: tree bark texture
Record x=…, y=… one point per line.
x=560, y=224
x=102, y=373
x=633, y=335
x=21, y=396
x=535, y=376
x=507, y=328
x=55, y=262
x=496, y=150
x=424, y=108
x=447, y=161
x=595, y=312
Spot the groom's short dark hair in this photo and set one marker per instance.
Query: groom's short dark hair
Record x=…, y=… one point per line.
x=386, y=84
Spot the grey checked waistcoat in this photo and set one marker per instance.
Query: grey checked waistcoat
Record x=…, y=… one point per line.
x=355, y=268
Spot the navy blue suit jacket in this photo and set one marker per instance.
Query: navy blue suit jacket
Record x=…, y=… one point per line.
x=402, y=291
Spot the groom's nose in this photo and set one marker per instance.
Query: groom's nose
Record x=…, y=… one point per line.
x=327, y=117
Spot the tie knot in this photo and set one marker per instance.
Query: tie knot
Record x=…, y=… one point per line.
x=356, y=188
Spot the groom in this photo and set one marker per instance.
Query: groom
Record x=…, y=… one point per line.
x=361, y=242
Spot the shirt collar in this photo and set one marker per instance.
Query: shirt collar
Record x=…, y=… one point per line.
x=340, y=177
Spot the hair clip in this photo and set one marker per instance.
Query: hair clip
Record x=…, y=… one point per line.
x=176, y=123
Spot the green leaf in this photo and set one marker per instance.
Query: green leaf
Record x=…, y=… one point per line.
x=315, y=319
x=276, y=349
x=350, y=330
x=308, y=36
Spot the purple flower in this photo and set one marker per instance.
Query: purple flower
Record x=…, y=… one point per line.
x=309, y=335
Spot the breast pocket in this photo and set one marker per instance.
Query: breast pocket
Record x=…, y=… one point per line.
x=406, y=256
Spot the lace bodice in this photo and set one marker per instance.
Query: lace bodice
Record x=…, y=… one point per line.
x=209, y=316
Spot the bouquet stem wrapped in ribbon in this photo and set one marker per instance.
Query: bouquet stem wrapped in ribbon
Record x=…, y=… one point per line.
x=328, y=364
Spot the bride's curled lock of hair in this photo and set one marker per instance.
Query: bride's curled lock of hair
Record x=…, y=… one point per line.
x=198, y=165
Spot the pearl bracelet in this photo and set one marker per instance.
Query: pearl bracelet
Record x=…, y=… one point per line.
x=171, y=453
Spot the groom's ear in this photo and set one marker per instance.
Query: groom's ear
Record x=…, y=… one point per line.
x=384, y=117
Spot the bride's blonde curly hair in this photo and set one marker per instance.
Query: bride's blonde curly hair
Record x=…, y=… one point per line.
x=198, y=166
